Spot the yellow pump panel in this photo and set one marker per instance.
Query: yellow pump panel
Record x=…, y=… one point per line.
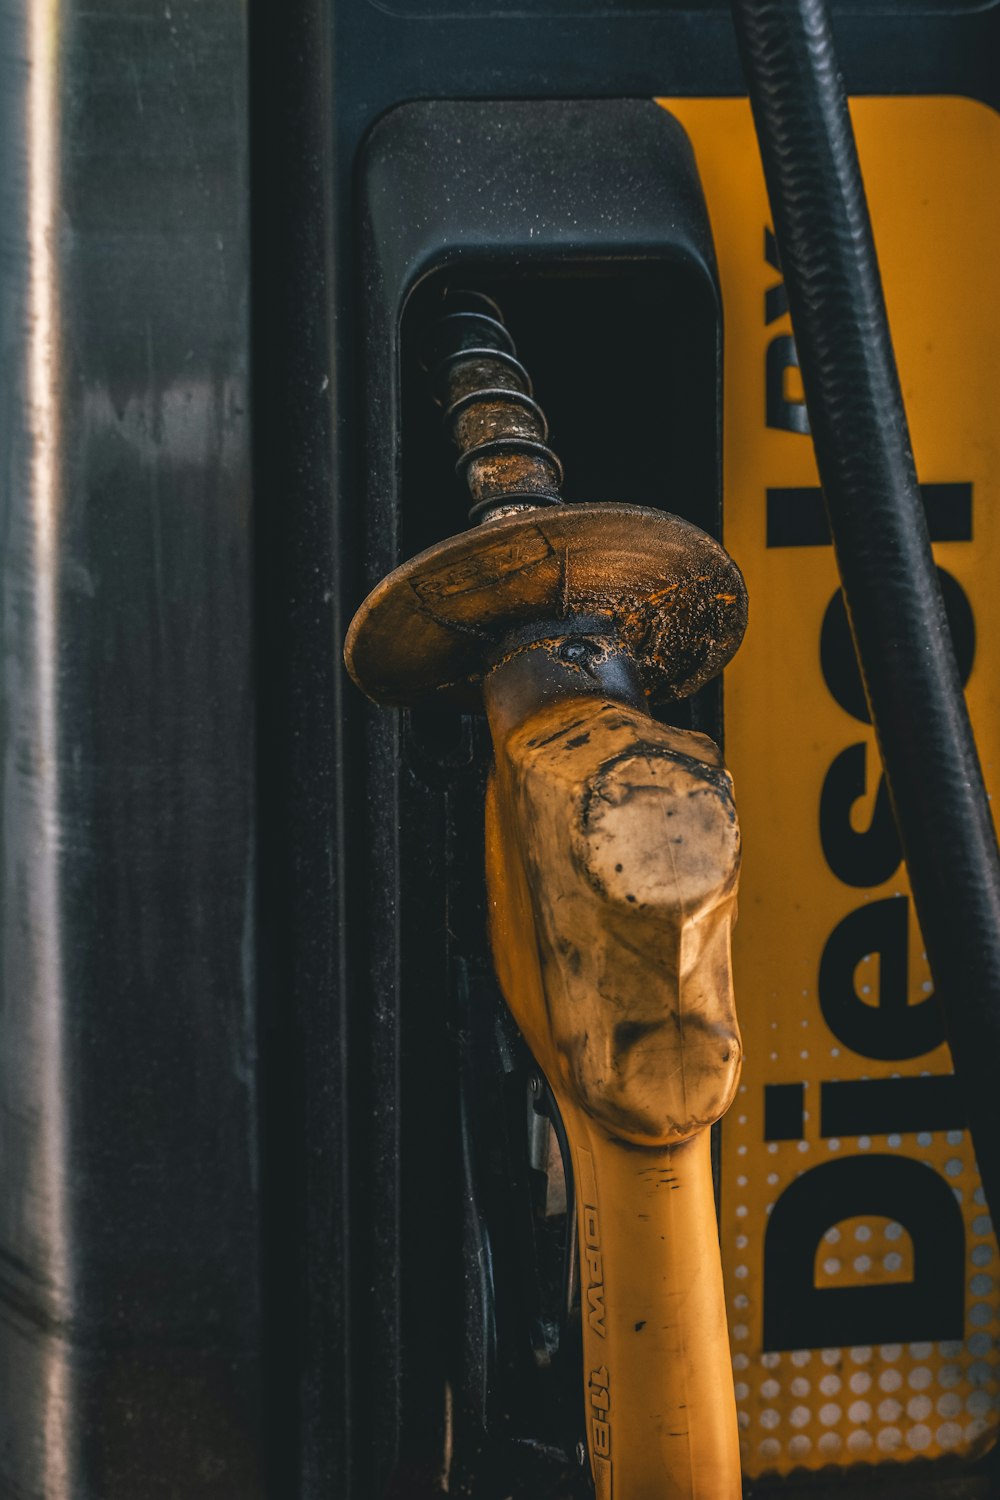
x=845, y=1069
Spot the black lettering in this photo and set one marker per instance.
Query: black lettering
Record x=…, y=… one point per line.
x=788, y=416
x=775, y=302
x=800, y=1315
x=796, y=515
x=596, y=1315
x=839, y=663
x=881, y=1106
x=890, y=1029
x=784, y=1104
x=862, y=859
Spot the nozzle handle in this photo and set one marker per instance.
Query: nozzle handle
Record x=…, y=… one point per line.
x=612, y=866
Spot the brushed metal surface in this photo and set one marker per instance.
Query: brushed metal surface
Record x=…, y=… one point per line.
x=128, y=1219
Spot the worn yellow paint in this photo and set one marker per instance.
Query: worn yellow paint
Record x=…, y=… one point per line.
x=612, y=862
x=932, y=168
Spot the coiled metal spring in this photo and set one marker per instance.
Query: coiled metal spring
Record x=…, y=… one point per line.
x=489, y=409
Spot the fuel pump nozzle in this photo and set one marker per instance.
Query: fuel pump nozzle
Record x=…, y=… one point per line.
x=612, y=866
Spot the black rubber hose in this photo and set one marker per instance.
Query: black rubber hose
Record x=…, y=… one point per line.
x=879, y=532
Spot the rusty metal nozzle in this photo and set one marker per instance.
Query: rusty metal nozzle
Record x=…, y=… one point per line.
x=671, y=594
x=489, y=410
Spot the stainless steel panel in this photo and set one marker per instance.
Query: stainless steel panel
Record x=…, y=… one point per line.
x=128, y=1217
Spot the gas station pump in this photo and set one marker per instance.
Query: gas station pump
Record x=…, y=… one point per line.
x=375, y=1120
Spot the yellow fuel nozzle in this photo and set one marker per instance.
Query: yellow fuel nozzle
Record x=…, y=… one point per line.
x=612, y=865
